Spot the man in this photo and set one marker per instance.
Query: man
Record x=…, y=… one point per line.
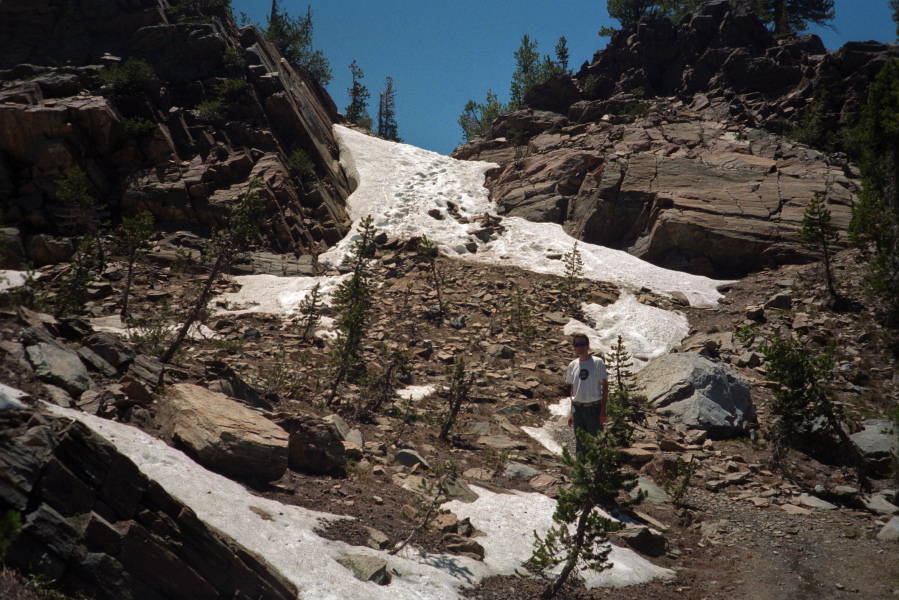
x=589, y=390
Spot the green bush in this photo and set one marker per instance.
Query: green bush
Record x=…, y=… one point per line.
x=300, y=161
x=138, y=127
x=231, y=89
x=10, y=525
x=130, y=76
x=210, y=109
x=233, y=57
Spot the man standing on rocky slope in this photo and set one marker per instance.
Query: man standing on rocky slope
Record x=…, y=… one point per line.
x=589, y=390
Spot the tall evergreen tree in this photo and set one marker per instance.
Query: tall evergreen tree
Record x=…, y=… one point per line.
x=791, y=16
x=527, y=73
x=387, y=127
x=357, y=111
x=562, y=55
x=293, y=38
x=875, y=216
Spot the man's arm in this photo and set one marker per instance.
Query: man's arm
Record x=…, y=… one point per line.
x=571, y=409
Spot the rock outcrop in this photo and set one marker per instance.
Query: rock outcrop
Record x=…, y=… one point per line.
x=668, y=145
x=94, y=523
x=152, y=147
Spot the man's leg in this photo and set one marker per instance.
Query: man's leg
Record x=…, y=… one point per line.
x=586, y=418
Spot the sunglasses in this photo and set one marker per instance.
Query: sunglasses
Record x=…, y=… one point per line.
x=581, y=344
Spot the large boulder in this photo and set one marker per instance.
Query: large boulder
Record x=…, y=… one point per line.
x=315, y=445
x=878, y=439
x=221, y=434
x=691, y=390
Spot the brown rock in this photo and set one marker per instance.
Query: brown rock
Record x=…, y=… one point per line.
x=221, y=434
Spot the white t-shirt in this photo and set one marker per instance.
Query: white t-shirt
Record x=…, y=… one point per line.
x=585, y=378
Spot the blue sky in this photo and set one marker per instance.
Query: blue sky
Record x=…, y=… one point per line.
x=442, y=53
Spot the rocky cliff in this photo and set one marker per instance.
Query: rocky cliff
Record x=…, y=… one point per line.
x=153, y=144
x=670, y=143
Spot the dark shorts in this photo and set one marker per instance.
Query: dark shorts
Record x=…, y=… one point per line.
x=586, y=418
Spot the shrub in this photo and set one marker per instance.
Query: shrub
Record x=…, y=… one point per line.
x=233, y=57
x=300, y=161
x=803, y=396
x=231, y=88
x=127, y=77
x=210, y=109
x=138, y=127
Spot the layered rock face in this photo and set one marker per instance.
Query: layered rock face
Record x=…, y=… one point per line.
x=93, y=521
x=184, y=165
x=668, y=145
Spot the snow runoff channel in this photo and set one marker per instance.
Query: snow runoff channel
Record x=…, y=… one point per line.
x=285, y=535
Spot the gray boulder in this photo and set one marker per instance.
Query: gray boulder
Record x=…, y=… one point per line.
x=54, y=362
x=890, y=531
x=877, y=439
x=691, y=390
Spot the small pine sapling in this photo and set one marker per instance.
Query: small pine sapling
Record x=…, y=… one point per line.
x=428, y=252
x=624, y=395
x=431, y=495
x=803, y=395
x=676, y=481
x=81, y=273
x=574, y=272
x=598, y=480
x=383, y=386
x=520, y=314
x=310, y=312
x=131, y=241
x=460, y=388
x=352, y=302
x=818, y=233
x=227, y=244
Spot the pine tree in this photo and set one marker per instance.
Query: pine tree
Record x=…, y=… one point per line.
x=818, y=232
x=528, y=71
x=131, y=241
x=598, y=480
x=791, y=16
x=227, y=244
x=310, y=311
x=460, y=386
x=476, y=118
x=357, y=111
x=387, y=127
x=293, y=38
x=562, y=54
x=352, y=301
x=803, y=395
x=875, y=216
